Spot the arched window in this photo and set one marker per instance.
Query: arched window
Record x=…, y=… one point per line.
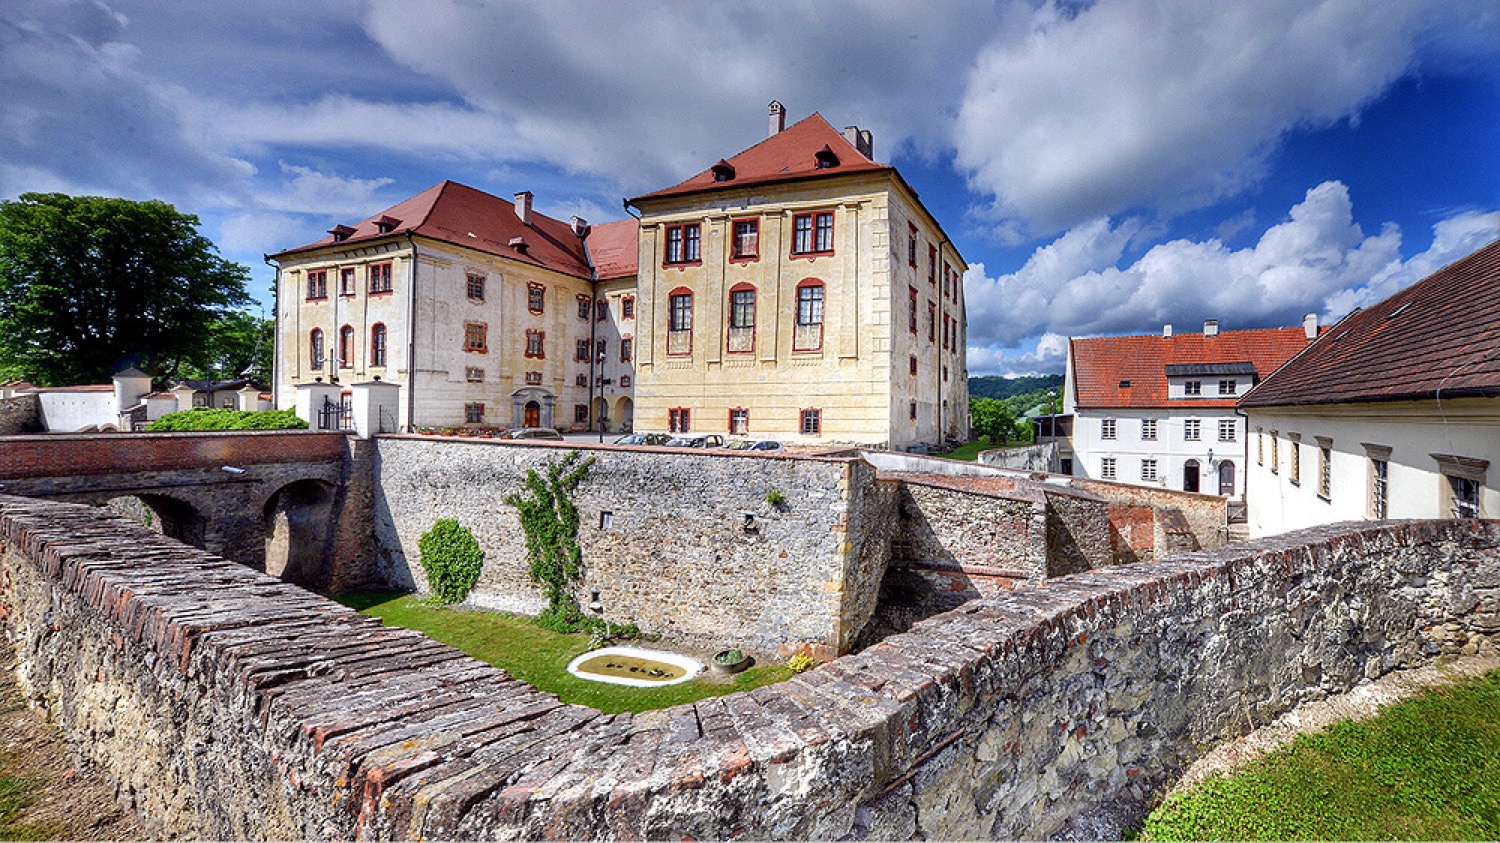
x=808, y=332
x=346, y=347
x=377, y=344
x=315, y=348
x=680, y=322
x=741, y=318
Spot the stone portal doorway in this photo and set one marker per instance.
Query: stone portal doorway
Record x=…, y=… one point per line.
x=533, y=414
x=532, y=407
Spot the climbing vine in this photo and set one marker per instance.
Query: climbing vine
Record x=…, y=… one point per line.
x=550, y=521
x=451, y=558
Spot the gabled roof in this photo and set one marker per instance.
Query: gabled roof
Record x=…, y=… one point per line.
x=459, y=214
x=1442, y=333
x=613, y=248
x=788, y=155
x=1102, y=364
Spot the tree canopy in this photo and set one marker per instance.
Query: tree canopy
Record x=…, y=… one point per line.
x=90, y=285
x=989, y=417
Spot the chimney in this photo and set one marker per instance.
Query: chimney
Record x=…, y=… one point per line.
x=866, y=144
x=1310, y=326
x=1166, y=331
x=580, y=227
x=523, y=206
x=851, y=134
x=1210, y=327
x=778, y=118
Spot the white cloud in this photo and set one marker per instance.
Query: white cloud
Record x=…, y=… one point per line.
x=1048, y=358
x=255, y=232
x=1316, y=261
x=311, y=192
x=1134, y=103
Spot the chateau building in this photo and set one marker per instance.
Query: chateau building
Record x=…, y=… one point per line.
x=800, y=291
x=481, y=310
x=1160, y=410
x=1393, y=413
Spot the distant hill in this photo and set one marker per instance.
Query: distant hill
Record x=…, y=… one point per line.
x=998, y=387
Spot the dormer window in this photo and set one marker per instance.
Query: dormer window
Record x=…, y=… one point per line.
x=826, y=158
x=385, y=225
x=723, y=171
x=340, y=233
x=519, y=244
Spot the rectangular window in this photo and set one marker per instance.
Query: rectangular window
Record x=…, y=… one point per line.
x=1228, y=430
x=1325, y=468
x=810, y=305
x=931, y=264
x=1148, y=470
x=682, y=313
x=473, y=374
x=475, y=287
x=536, y=298
x=1379, y=488
x=812, y=422
x=911, y=411
x=377, y=345
x=627, y=307
x=931, y=322
x=679, y=420
x=380, y=277
x=1228, y=387
x=536, y=344
x=742, y=310
x=1260, y=448
x=1107, y=468
x=739, y=421
x=812, y=234
x=585, y=304
x=1107, y=429
x=1275, y=453
x=1192, y=388
x=1148, y=429
x=317, y=284
x=624, y=381
x=534, y=378
x=474, y=336
x=1294, y=453
x=683, y=243
x=601, y=310
x=581, y=413
x=913, y=366
x=346, y=281
x=581, y=351
x=746, y=240
x=1192, y=430
x=911, y=321
x=1465, y=494
x=603, y=350
x=911, y=245
x=473, y=413
x=582, y=380
x=947, y=277
x=627, y=350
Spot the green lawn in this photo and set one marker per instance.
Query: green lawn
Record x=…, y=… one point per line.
x=1427, y=768
x=540, y=657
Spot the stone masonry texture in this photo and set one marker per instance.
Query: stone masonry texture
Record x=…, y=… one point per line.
x=228, y=704
x=20, y=414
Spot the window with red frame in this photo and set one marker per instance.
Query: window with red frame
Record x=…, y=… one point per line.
x=601, y=310
x=536, y=344
x=742, y=308
x=811, y=422
x=679, y=420
x=913, y=365
x=912, y=411
x=380, y=277
x=536, y=298
x=683, y=243
x=474, y=286
x=581, y=413
x=377, y=344
x=315, y=348
x=627, y=350
x=346, y=347
x=473, y=413
x=931, y=264
x=746, y=240
x=475, y=337
x=624, y=381
x=812, y=234
x=911, y=295
x=346, y=281
x=810, y=305
x=603, y=350
x=627, y=307
x=947, y=278
x=911, y=245
x=585, y=304
x=931, y=322
x=681, y=316
x=581, y=351
x=317, y=284
x=739, y=421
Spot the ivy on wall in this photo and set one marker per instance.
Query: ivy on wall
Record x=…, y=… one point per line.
x=451, y=558
x=550, y=521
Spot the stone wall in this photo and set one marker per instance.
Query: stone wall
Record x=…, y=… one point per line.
x=1041, y=457
x=226, y=704
x=678, y=542
x=20, y=414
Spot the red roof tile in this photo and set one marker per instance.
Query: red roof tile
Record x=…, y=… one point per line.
x=459, y=214
x=1102, y=364
x=613, y=248
x=788, y=155
x=1442, y=333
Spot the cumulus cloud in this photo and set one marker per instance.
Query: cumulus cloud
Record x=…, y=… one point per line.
x=1135, y=103
x=1047, y=358
x=1316, y=261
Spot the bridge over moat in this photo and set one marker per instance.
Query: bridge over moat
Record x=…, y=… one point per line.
x=268, y=499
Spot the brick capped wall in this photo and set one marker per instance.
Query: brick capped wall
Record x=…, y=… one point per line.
x=81, y=454
x=226, y=704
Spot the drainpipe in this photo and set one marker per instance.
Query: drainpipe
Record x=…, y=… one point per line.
x=276, y=333
x=411, y=338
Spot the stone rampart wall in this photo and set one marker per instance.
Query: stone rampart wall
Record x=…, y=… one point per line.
x=227, y=704
x=678, y=542
x=1041, y=457
x=947, y=527
x=20, y=414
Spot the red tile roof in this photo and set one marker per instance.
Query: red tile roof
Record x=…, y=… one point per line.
x=459, y=214
x=788, y=155
x=1440, y=334
x=613, y=248
x=1102, y=364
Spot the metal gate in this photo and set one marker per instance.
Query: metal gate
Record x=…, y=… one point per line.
x=336, y=415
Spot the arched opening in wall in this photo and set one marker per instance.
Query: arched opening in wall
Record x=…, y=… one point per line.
x=299, y=531
x=624, y=418
x=169, y=516
x=1190, y=471
x=533, y=414
x=1226, y=479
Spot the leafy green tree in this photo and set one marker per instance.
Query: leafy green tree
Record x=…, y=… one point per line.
x=239, y=344
x=990, y=417
x=90, y=284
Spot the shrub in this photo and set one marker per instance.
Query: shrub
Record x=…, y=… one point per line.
x=452, y=560
x=206, y=418
x=800, y=663
x=775, y=498
x=550, y=520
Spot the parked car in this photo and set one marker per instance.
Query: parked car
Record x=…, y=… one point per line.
x=755, y=445
x=536, y=433
x=696, y=440
x=644, y=439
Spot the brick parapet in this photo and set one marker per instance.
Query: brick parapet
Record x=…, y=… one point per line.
x=1061, y=710
x=85, y=454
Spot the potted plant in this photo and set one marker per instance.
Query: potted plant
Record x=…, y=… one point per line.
x=726, y=662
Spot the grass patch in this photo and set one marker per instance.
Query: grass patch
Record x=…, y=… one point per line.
x=968, y=452
x=17, y=793
x=539, y=656
x=1426, y=768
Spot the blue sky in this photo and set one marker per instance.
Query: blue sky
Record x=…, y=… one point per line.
x=1104, y=167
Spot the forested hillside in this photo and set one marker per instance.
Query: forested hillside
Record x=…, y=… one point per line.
x=997, y=387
